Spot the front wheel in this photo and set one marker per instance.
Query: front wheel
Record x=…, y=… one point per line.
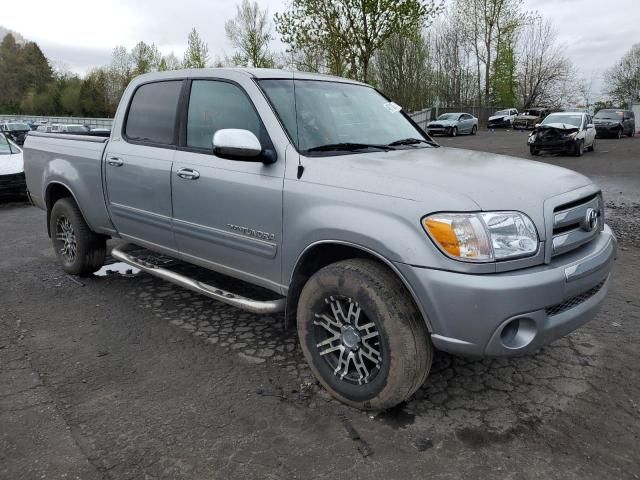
x=579, y=148
x=619, y=134
x=362, y=335
x=79, y=250
x=454, y=132
x=533, y=150
x=593, y=146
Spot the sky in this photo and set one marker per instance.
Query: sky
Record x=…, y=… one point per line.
x=78, y=35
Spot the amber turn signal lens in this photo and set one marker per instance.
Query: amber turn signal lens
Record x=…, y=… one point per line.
x=444, y=234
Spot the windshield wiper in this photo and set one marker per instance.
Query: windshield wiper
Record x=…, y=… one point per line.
x=347, y=147
x=410, y=141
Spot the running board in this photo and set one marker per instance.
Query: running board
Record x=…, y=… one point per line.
x=254, y=306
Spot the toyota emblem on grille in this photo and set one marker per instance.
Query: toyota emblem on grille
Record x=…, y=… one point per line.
x=590, y=222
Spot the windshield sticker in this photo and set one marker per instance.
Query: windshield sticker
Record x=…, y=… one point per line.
x=392, y=107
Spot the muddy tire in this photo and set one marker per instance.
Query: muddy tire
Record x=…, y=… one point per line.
x=362, y=335
x=79, y=250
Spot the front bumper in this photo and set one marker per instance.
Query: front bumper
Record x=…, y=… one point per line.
x=607, y=130
x=439, y=130
x=515, y=312
x=556, y=146
x=12, y=185
x=500, y=123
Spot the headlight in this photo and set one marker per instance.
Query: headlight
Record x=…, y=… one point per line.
x=483, y=237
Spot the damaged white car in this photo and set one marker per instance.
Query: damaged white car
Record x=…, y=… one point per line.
x=563, y=132
x=12, y=180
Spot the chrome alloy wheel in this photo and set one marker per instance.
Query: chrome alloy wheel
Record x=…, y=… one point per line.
x=66, y=235
x=348, y=341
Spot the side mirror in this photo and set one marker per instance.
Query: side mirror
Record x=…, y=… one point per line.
x=589, y=125
x=537, y=125
x=233, y=142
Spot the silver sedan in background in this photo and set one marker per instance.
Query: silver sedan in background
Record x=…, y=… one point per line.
x=452, y=124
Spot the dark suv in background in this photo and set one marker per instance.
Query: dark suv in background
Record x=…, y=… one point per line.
x=612, y=122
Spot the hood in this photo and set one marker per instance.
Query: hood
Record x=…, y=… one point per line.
x=498, y=117
x=446, y=123
x=564, y=127
x=11, y=164
x=449, y=179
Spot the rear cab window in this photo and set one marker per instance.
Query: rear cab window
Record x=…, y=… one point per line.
x=152, y=113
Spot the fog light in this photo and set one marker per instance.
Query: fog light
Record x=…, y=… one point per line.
x=518, y=333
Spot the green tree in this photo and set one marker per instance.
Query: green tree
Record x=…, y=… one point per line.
x=623, y=79
x=353, y=30
x=401, y=70
x=197, y=54
x=504, y=84
x=250, y=33
x=145, y=58
x=11, y=90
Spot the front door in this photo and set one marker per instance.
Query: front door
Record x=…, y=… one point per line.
x=226, y=213
x=138, y=165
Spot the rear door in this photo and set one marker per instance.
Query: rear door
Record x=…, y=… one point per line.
x=227, y=214
x=138, y=165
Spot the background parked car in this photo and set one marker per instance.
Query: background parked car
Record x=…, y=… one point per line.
x=74, y=128
x=615, y=123
x=453, y=124
x=564, y=132
x=503, y=118
x=530, y=117
x=16, y=131
x=12, y=180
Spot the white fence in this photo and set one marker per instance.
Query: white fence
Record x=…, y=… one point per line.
x=91, y=122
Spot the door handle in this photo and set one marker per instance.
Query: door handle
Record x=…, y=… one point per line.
x=115, y=161
x=188, y=174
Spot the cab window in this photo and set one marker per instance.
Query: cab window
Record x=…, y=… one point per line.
x=152, y=113
x=215, y=105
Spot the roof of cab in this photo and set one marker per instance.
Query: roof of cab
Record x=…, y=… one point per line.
x=261, y=73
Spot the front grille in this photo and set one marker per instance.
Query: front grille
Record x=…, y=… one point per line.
x=574, y=301
x=576, y=223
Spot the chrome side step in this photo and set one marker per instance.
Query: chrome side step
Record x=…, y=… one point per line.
x=254, y=306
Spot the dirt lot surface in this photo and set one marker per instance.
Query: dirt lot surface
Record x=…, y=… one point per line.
x=124, y=376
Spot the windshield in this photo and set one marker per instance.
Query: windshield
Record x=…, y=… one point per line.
x=609, y=114
x=13, y=127
x=319, y=113
x=449, y=116
x=5, y=146
x=501, y=113
x=575, y=120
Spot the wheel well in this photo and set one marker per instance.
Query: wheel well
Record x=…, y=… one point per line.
x=55, y=192
x=317, y=257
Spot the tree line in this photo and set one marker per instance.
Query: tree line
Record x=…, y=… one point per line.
x=418, y=52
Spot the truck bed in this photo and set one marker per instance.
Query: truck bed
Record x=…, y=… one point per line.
x=71, y=161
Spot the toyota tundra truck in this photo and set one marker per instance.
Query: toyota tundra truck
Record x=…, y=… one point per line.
x=378, y=245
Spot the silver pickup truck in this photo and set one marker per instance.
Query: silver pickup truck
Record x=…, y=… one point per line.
x=379, y=245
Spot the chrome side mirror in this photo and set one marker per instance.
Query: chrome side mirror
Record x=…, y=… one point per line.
x=233, y=142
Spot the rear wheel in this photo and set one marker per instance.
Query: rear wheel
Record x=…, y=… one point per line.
x=362, y=335
x=79, y=250
x=474, y=130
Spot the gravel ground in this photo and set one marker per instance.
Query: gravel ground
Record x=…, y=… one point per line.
x=125, y=376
